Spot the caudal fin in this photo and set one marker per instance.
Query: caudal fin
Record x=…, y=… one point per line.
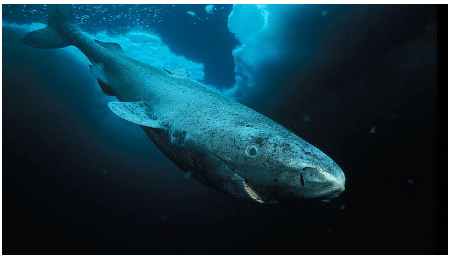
x=55, y=35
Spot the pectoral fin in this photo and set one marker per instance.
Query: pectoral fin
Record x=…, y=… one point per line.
x=135, y=112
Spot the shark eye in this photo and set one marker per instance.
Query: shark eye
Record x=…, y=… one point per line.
x=252, y=150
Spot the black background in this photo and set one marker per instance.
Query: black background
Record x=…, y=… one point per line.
x=76, y=184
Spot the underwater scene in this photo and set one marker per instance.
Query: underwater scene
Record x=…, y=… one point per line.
x=222, y=129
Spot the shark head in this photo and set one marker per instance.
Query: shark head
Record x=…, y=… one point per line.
x=272, y=165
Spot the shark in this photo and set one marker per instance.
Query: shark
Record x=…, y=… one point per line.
x=215, y=139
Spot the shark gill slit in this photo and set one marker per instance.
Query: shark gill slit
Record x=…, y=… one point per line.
x=253, y=194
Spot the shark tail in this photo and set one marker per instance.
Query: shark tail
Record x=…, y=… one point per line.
x=56, y=33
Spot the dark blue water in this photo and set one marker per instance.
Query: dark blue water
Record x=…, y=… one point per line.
x=357, y=81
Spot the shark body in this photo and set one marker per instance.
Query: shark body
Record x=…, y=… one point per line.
x=218, y=141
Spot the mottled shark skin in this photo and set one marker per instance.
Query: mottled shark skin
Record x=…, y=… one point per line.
x=218, y=141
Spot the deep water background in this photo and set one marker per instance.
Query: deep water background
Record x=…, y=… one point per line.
x=357, y=81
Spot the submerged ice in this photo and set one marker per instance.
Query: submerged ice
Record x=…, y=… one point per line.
x=141, y=45
x=260, y=30
x=150, y=49
x=210, y=8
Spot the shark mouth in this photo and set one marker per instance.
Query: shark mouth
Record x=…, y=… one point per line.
x=253, y=194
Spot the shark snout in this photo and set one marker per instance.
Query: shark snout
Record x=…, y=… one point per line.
x=322, y=182
x=312, y=176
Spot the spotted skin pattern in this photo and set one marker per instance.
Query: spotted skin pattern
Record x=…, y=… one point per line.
x=216, y=140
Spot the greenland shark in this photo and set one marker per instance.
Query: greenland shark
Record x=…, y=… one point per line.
x=216, y=140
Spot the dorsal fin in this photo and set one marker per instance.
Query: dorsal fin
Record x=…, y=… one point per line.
x=112, y=46
x=181, y=72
